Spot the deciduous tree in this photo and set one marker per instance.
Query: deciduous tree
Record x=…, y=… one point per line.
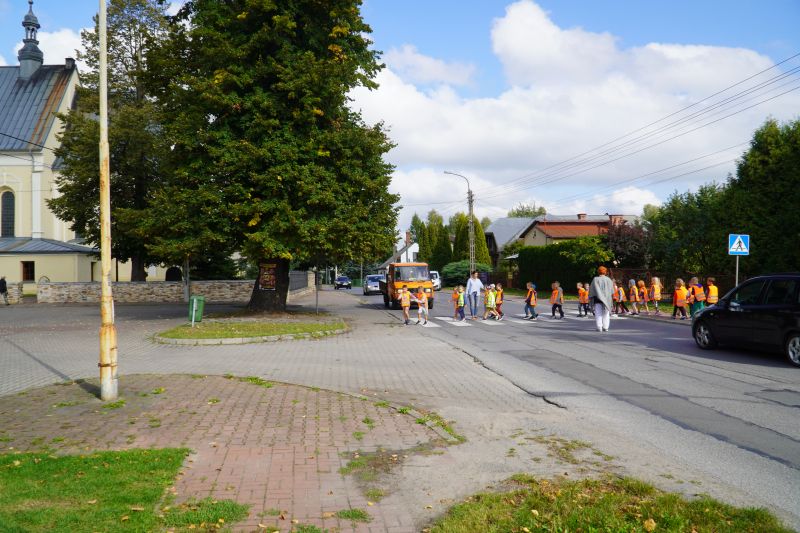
x=268, y=156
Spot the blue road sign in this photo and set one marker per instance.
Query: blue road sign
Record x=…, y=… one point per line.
x=738, y=244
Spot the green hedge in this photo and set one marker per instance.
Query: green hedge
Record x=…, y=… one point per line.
x=457, y=273
x=544, y=264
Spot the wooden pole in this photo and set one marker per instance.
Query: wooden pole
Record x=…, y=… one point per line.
x=108, y=332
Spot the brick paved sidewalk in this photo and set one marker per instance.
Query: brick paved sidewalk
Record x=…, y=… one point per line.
x=277, y=447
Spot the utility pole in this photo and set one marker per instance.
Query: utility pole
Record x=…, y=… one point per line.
x=108, y=332
x=470, y=203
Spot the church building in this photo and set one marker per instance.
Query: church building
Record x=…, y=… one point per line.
x=34, y=244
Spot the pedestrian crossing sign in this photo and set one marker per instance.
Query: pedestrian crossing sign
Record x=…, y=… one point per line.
x=738, y=244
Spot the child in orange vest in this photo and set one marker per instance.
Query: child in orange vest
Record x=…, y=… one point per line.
x=583, y=300
x=621, y=290
x=713, y=291
x=697, y=296
x=644, y=296
x=422, y=306
x=655, y=292
x=633, y=296
x=405, y=302
x=455, y=302
x=557, y=299
x=679, y=300
x=530, y=302
x=498, y=301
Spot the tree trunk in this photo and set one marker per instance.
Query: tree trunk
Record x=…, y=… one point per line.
x=271, y=286
x=138, y=272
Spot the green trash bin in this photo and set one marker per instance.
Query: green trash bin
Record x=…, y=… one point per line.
x=196, y=306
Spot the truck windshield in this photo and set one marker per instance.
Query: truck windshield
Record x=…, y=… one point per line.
x=411, y=273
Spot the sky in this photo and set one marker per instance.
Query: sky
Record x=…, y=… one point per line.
x=577, y=105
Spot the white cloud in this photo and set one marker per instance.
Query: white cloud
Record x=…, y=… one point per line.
x=2, y=61
x=414, y=67
x=569, y=90
x=626, y=201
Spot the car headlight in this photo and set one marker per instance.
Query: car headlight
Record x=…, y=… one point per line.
x=427, y=290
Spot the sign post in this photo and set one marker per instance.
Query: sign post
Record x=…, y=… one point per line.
x=738, y=245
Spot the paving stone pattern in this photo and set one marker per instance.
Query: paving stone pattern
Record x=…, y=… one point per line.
x=276, y=449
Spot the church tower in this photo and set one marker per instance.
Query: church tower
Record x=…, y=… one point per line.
x=30, y=57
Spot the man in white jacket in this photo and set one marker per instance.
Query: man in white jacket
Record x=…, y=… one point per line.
x=474, y=289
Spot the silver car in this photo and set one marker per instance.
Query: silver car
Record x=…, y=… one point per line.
x=372, y=283
x=436, y=279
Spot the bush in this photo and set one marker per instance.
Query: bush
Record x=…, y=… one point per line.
x=458, y=272
x=559, y=262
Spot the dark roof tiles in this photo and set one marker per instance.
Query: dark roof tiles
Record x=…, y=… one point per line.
x=28, y=107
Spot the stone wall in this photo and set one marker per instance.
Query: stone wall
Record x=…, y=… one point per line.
x=231, y=291
x=14, y=293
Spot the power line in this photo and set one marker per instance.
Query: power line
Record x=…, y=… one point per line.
x=26, y=141
x=522, y=187
x=642, y=128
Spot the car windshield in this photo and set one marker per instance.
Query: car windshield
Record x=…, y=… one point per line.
x=342, y=278
x=411, y=273
x=374, y=278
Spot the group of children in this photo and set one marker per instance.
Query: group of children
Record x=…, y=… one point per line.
x=639, y=295
x=492, y=299
x=420, y=298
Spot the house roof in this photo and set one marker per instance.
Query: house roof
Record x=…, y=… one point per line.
x=568, y=231
x=28, y=245
x=28, y=107
x=508, y=229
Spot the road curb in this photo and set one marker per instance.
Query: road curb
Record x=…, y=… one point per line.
x=249, y=340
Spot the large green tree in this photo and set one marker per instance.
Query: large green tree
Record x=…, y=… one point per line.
x=137, y=144
x=267, y=155
x=461, y=246
x=524, y=210
x=442, y=252
x=762, y=199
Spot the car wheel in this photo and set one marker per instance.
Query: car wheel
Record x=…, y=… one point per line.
x=793, y=349
x=703, y=336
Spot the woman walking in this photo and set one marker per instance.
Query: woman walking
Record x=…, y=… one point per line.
x=601, y=293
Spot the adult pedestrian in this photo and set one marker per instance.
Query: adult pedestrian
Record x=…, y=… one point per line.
x=474, y=289
x=601, y=293
x=4, y=289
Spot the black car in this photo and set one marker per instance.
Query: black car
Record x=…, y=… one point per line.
x=342, y=282
x=762, y=313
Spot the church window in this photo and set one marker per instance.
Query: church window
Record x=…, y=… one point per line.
x=7, y=214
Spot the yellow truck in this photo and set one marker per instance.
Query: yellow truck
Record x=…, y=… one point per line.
x=412, y=276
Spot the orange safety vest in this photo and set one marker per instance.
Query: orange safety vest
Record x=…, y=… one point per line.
x=422, y=299
x=621, y=292
x=455, y=298
x=499, y=297
x=713, y=294
x=583, y=296
x=531, y=296
x=633, y=295
x=643, y=296
x=405, y=299
x=554, y=297
x=655, y=292
x=699, y=294
x=679, y=297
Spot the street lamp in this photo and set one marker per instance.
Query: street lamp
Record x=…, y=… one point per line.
x=470, y=202
x=108, y=332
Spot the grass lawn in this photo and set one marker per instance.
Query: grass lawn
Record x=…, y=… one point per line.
x=232, y=330
x=598, y=505
x=103, y=491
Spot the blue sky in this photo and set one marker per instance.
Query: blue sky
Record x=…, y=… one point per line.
x=499, y=90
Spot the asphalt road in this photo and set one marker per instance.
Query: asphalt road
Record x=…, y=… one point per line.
x=731, y=413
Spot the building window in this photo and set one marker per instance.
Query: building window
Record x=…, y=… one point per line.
x=7, y=214
x=28, y=271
